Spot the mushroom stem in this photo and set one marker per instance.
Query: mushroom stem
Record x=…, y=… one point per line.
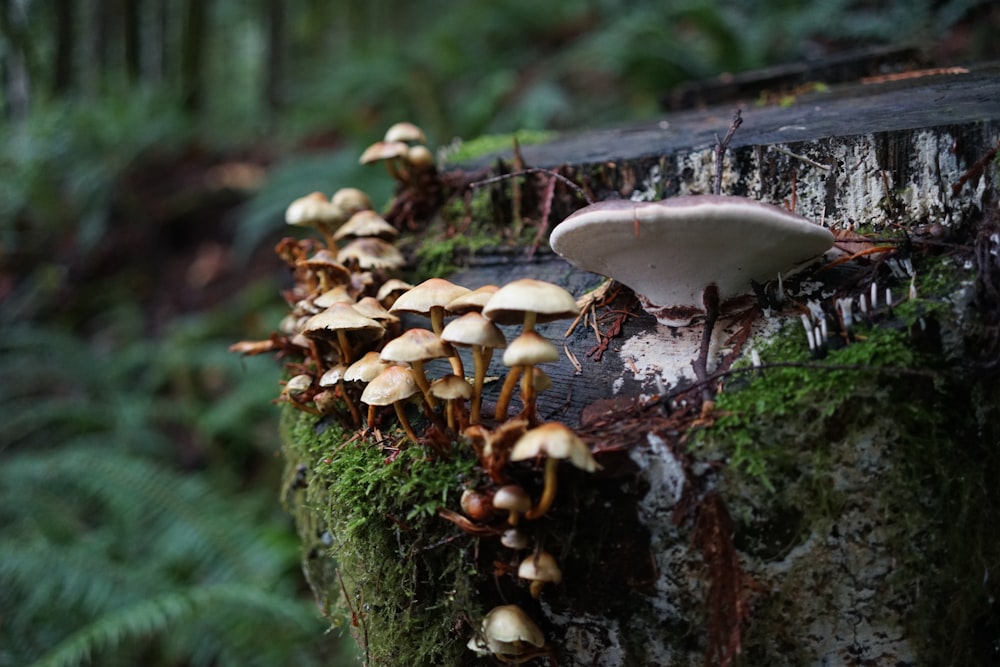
x=536, y=588
x=528, y=395
x=355, y=414
x=371, y=416
x=345, y=347
x=529, y=321
x=548, y=492
x=425, y=386
x=405, y=423
x=506, y=392
x=479, y=376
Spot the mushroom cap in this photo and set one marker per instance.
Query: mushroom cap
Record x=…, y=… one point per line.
x=383, y=150
x=333, y=376
x=390, y=291
x=395, y=383
x=369, y=306
x=405, y=131
x=340, y=316
x=450, y=387
x=528, y=349
x=371, y=253
x=509, y=623
x=366, y=223
x=349, y=201
x=367, y=368
x=432, y=293
x=540, y=567
x=336, y=294
x=473, y=329
x=472, y=301
x=550, y=302
x=556, y=441
x=512, y=497
x=514, y=538
x=311, y=209
x=415, y=345
x=420, y=157
x=669, y=251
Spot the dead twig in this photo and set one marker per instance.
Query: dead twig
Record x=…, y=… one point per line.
x=721, y=146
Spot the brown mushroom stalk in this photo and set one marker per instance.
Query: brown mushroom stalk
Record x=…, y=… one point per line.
x=548, y=490
x=507, y=393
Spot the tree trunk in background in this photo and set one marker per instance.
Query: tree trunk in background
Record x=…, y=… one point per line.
x=132, y=33
x=192, y=53
x=274, y=60
x=62, y=74
x=14, y=69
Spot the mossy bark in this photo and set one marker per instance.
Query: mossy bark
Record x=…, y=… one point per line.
x=856, y=487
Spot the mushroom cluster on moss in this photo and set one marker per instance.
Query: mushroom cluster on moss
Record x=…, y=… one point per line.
x=348, y=341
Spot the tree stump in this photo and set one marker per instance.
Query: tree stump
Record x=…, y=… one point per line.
x=836, y=506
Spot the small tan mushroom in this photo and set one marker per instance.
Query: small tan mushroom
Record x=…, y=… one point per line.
x=514, y=500
x=505, y=631
x=522, y=355
x=392, y=387
x=483, y=336
x=349, y=201
x=453, y=390
x=429, y=299
x=366, y=223
x=556, y=442
x=540, y=569
x=371, y=253
x=391, y=290
x=415, y=346
x=337, y=322
x=528, y=301
x=473, y=301
x=406, y=132
x=366, y=369
x=316, y=211
x=335, y=378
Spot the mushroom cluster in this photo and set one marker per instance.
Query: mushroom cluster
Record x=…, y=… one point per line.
x=353, y=354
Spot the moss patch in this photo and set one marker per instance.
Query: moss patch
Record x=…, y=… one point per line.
x=405, y=575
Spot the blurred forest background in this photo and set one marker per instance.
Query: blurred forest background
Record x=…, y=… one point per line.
x=149, y=148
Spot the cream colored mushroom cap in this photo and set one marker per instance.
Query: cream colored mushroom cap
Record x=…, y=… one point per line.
x=367, y=368
x=313, y=208
x=349, y=201
x=474, y=329
x=509, y=623
x=451, y=387
x=669, y=251
x=528, y=349
x=550, y=302
x=366, y=223
x=556, y=441
x=340, y=316
x=383, y=150
x=512, y=497
x=395, y=383
x=405, y=131
x=371, y=253
x=432, y=293
x=540, y=567
x=415, y=345
x=475, y=300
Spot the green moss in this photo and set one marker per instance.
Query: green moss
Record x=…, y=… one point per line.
x=495, y=143
x=783, y=428
x=373, y=519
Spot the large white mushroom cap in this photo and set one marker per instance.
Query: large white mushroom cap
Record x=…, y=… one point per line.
x=669, y=251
